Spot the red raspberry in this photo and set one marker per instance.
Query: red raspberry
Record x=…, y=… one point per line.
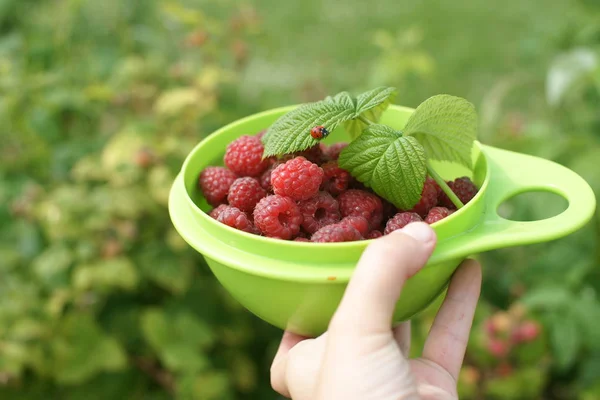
x=374, y=234
x=429, y=198
x=237, y=219
x=336, y=233
x=214, y=183
x=313, y=154
x=260, y=134
x=497, y=347
x=359, y=203
x=244, y=193
x=464, y=189
x=301, y=239
x=265, y=179
x=298, y=178
x=278, y=216
x=400, y=220
x=244, y=156
x=333, y=152
x=335, y=179
x=526, y=332
x=436, y=214
x=319, y=211
x=359, y=223
x=215, y=212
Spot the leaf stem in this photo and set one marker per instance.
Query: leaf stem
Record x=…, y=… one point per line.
x=366, y=121
x=440, y=181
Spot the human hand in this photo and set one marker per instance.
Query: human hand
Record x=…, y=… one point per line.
x=361, y=356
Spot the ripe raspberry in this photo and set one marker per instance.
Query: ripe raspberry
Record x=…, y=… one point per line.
x=301, y=239
x=319, y=211
x=244, y=193
x=244, y=156
x=260, y=134
x=278, y=216
x=359, y=203
x=298, y=178
x=359, y=223
x=336, y=233
x=429, y=198
x=464, y=189
x=214, y=183
x=526, y=332
x=313, y=154
x=374, y=234
x=436, y=214
x=335, y=179
x=215, y=212
x=497, y=348
x=400, y=220
x=389, y=210
x=236, y=218
x=333, y=152
x=265, y=179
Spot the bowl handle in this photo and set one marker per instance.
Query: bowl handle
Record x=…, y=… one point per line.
x=514, y=173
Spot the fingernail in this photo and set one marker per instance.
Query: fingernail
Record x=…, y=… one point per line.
x=419, y=231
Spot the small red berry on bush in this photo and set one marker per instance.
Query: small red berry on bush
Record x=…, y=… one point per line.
x=244, y=193
x=526, y=332
x=319, y=211
x=278, y=216
x=336, y=233
x=243, y=156
x=297, y=178
x=400, y=220
x=497, y=348
x=358, y=203
x=214, y=183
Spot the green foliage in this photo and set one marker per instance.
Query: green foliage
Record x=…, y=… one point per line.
x=392, y=164
x=102, y=100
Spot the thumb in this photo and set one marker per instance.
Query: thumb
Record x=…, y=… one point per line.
x=385, y=265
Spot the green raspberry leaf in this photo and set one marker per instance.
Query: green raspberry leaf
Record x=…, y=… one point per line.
x=344, y=99
x=291, y=132
x=370, y=105
x=394, y=166
x=446, y=126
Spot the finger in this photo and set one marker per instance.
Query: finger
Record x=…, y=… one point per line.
x=402, y=336
x=449, y=334
x=278, y=367
x=370, y=298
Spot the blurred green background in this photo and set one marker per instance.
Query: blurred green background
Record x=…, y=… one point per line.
x=100, y=101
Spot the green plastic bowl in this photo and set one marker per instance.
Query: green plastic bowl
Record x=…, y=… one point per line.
x=297, y=286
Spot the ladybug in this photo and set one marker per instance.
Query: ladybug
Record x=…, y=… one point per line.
x=319, y=132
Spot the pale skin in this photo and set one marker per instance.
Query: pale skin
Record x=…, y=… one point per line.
x=361, y=357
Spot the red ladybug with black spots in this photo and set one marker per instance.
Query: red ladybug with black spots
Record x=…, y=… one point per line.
x=319, y=132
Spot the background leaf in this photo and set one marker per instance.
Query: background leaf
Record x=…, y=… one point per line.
x=392, y=164
x=446, y=126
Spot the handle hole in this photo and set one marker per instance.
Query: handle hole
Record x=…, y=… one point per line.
x=532, y=206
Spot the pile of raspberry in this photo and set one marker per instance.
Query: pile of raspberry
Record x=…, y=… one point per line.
x=307, y=197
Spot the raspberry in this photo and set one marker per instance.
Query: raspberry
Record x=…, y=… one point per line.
x=464, y=189
x=389, y=210
x=265, y=179
x=260, y=134
x=214, y=183
x=400, y=220
x=335, y=179
x=298, y=178
x=359, y=203
x=301, y=239
x=359, y=223
x=236, y=218
x=336, y=233
x=244, y=156
x=374, y=234
x=436, y=214
x=313, y=154
x=429, y=198
x=278, y=216
x=215, y=212
x=319, y=211
x=333, y=152
x=244, y=193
